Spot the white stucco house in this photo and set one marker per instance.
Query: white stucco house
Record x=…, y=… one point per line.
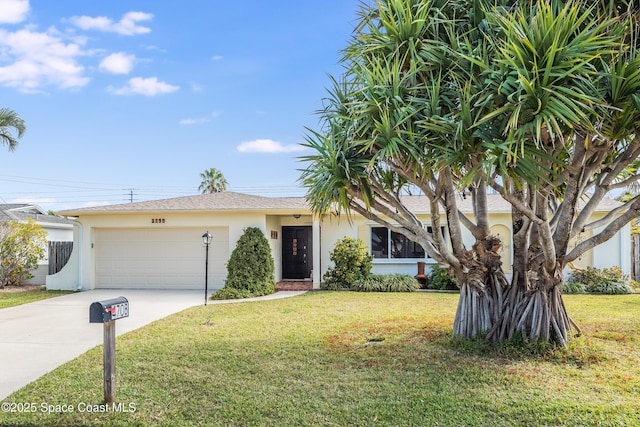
x=59, y=229
x=158, y=244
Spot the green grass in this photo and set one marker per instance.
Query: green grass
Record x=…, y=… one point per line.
x=11, y=299
x=351, y=359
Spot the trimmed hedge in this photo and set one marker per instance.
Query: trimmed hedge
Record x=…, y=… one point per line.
x=386, y=283
x=250, y=270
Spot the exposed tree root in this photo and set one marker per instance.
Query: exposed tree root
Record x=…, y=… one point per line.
x=534, y=315
x=479, y=308
x=489, y=306
x=492, y=307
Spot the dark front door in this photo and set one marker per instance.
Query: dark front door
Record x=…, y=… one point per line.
x=296, y=252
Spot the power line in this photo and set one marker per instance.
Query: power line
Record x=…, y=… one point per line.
x=80, y=185
x=130, y=193
x=55, y=192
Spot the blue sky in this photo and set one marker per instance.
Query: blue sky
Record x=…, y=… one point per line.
x=147, y=94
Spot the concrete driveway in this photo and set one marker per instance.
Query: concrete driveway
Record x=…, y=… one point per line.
x=38, y=337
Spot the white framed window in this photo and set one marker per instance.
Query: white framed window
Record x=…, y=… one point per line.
x=387, y=244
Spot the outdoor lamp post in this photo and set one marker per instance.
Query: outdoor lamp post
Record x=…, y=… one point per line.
x=206, y=239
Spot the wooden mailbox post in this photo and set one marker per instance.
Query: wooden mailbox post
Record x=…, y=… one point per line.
x=107, y=312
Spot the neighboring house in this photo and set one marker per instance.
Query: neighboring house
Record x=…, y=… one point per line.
x=59, y=229
x=158, y=244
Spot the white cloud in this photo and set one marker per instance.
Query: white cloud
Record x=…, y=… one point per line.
x=200, y=120
x=267, y=146
x=13, y=11
x=216, y=57
x=118, y=63
x=148, y=87
x=128, y=24
x=38, y=59
x=154, y=48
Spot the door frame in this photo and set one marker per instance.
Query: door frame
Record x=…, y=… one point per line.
x=309, y=251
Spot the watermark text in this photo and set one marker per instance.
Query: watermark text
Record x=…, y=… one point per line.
x=48, y=408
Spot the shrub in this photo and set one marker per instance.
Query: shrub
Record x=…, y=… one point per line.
x=332, y=286
x=440, y=278
x=21, y=247
x=573, y=288
x=611, y=288
x=250, y=269
x=606, y=280
x=231, y=293
x=587, y=276
x=352, y=262
x=386, y=283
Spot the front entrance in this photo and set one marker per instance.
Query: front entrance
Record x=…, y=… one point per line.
x=297, y=255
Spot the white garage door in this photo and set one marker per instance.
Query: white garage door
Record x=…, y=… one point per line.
x=167, y=258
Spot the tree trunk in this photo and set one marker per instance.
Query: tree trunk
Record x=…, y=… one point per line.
x=531, y=306
x=482, y=284
x=537, y=314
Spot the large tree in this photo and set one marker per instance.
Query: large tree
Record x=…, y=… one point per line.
x=212, y=181
x=12, y=128
x=538, y=101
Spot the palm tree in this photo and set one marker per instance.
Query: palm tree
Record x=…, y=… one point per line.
x=537, y=100
x=212, y=181
x=12, y=128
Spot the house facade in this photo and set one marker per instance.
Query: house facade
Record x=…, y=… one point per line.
x=58, y=229
x=158, y=244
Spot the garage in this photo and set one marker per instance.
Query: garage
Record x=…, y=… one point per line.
x=167, y=258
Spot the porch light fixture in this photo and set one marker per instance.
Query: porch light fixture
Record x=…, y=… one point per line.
x=206, y=239
x=296, y=216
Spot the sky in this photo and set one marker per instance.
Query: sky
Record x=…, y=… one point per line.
x=132, y=100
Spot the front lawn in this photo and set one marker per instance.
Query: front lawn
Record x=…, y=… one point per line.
x=12, y=296
x=348, y=359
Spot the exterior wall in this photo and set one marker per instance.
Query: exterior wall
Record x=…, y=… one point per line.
x=79, y=273
x=316, y=275
x=59, y=234
x=615, y=251
x=335, y=229
x=586, y=259
x=39, y=274
x=500, y=225
x=273, y=233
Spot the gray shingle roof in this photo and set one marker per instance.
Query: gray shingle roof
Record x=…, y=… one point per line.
x=223, y=201
x=420, y=204
x=23, y=212
x=230, y=201
x=6, y=213
x=496, y=204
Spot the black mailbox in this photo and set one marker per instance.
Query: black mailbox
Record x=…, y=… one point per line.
x=107, y=310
